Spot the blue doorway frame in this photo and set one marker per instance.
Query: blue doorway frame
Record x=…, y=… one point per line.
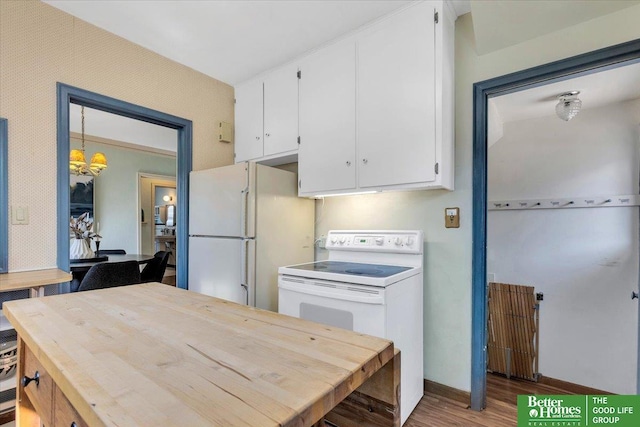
x=67, y=95
x=592, y=62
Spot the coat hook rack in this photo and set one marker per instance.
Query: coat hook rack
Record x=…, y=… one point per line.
x=563, y=203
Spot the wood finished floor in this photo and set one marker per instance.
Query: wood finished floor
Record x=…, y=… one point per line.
x=501, y=411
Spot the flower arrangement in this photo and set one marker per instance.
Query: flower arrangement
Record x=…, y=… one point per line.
x=82, y=227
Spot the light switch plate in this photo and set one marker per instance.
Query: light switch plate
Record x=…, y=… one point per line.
x=452, y=217
x=19, y=215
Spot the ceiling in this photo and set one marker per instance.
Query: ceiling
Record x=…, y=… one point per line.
x=235, y=40
x=596, y=90
x=231, y=41
x=123, y=129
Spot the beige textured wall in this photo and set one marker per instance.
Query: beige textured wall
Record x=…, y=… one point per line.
x=447, y=268
x=39, y=46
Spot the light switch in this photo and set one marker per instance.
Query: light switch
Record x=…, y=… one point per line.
x=452, y=217
x=19, y=215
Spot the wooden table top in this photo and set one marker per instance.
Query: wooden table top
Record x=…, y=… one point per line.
x=83, y=266
x=32, y=279
x=155, y=355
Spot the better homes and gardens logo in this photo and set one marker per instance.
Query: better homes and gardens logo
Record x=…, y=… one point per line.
x=578, y=411
x=552, y=410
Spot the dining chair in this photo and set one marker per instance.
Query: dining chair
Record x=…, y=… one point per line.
x=110, y=274
x=113, y=252
x=154, y=270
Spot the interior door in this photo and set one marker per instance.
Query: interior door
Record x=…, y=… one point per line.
x=217, y=267
x=218, y=200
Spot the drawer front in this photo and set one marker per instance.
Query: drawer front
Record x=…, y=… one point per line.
x=64, y=413
x=40, y=394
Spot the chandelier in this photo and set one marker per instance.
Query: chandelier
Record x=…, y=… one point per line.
x=78, y=164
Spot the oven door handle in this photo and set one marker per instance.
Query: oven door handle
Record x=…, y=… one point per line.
x=310, y=289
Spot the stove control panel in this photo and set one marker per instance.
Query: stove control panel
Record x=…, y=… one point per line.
x=401, y=241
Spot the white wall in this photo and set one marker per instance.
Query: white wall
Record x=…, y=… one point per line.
x=585, y=261
x=448, y=251
x=166, y=191
x=116, y=192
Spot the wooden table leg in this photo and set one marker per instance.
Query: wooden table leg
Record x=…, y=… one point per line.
x=376, y=403
x=37, y=292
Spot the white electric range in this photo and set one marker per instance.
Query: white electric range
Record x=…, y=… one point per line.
x=371, y=283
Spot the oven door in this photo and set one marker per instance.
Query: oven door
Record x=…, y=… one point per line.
x=354, y=307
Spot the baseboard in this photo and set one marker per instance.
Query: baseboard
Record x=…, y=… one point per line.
x=448, y=392
x=571, y=387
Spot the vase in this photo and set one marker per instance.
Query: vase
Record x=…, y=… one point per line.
x=79, y=249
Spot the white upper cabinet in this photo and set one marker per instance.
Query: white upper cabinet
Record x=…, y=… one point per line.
x=281, y=111
x=396, y=100
x=371, y=112
x=403, y=111
x=267, y=117
x=248, y=121
x=328, y=120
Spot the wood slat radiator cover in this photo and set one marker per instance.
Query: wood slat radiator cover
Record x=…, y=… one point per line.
x=512, y=330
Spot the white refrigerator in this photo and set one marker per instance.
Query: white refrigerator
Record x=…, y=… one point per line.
x=245, y=221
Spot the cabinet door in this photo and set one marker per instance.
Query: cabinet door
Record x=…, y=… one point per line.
x=248, y=120
x=396, y=100
x=281, y=110
x=326, y=157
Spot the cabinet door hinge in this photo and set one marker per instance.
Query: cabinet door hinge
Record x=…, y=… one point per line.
x=298, y=140
x=299, y=74
x=436, y=168
x=235, y=100
x=299, y=183
x=436, y=17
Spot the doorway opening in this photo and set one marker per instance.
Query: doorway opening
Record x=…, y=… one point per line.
x=157, y=199
x=600, y=60
x=67, y=95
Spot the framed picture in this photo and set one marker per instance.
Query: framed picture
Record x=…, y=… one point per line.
x=81, y=195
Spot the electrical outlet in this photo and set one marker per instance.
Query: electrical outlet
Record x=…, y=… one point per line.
x=452, y=217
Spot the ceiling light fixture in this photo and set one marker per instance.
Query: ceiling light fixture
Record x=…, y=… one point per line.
x=569, y=105
x=77, y=162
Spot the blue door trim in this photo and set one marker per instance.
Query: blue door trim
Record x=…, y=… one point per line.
x=67, y=95
x=4, y=197
x=596, y=61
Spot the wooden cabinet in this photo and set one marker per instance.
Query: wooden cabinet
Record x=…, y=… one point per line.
x=327, y=153
x=64, y=414
x=48, y=401
x=387, y=122
x=109, y=360
x=23, y=285
x=266, y=116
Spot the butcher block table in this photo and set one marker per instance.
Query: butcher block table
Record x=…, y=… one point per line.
x=154, y=355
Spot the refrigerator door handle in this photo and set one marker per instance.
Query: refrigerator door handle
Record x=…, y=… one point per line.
x=243, y=213
x=243, y=273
